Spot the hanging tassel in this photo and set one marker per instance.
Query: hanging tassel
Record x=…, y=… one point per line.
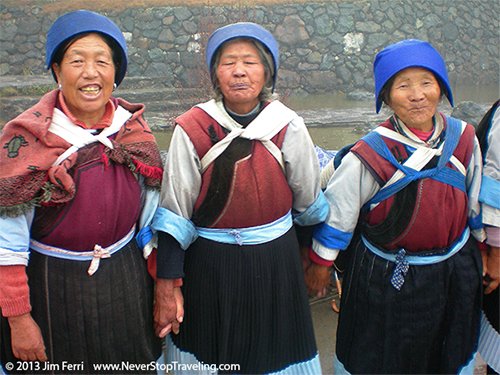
x=105, y=159
x=147, y=170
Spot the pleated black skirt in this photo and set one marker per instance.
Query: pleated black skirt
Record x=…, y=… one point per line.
x=101, y=319
x=246, y=305
x=430, y=326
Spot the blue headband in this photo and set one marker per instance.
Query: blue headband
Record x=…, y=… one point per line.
x=405, y=54
x=242, y=30
x=78, y=22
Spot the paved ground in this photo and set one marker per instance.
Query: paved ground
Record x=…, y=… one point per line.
x=325, y=324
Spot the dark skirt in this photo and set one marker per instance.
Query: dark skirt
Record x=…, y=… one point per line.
x=491, y=308
x=246, y=305
x=101, y=319
x=430, y=326
x=492, y=313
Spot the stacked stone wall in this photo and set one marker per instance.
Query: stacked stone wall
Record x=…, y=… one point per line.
x=325, y=46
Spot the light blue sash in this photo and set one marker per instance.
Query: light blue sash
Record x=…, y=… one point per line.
x=419, y=260
x=251, y=235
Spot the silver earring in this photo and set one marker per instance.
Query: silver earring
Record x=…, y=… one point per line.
x=59, y=86
x=114, y=86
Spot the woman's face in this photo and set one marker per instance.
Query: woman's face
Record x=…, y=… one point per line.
x=86, y=75
x=414, y=97
x=241, y=75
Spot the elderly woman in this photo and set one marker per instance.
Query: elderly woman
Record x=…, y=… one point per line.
x=80, y=174
x=412, y=289
x=488, y=133
x=241, y=169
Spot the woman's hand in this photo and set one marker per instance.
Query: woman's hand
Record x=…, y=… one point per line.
x=169, y=307
x=317, y=279
x=179, y=302
x=491, y=269
x=26, y=338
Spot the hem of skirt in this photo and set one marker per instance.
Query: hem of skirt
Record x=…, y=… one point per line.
x=468, y=368
x=187, y=363
x=489, y=343
x=309, y=367
x=338, y=367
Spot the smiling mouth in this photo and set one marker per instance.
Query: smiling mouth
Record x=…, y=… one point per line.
x=94, y=90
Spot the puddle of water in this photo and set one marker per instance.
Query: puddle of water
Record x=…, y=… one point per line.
x=323, y=101
x=329, y=138
x=334, y=120
x=486, y=94
x=163, y=139
x=334, y=138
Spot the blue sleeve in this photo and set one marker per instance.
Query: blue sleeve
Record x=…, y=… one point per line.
x=15, y=238
x=332, y=238
x=314, y=214
x=490, y=192
x=183, y=230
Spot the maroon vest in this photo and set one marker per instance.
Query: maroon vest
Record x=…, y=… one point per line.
x=258, y=193
x=105, y=207
x=440, y=213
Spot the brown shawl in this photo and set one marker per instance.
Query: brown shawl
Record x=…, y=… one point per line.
x=28, y=150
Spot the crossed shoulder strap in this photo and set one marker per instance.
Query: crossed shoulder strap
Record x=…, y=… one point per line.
x=412, y=168
x=270, y=121
x=78, y=137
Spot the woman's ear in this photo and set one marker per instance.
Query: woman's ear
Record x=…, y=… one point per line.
x=57, y=71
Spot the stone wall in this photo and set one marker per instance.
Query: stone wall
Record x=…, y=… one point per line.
x=325, y=46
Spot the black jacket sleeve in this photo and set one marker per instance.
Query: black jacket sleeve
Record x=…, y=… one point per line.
x=170, y=258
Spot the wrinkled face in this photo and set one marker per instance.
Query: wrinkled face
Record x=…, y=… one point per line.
x=87, y=75
x=241, y=75
x=414, y=97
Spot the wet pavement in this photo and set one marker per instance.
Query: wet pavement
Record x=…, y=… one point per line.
x=325, y=324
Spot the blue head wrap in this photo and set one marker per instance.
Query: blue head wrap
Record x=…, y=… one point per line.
x=242, y=30
x=78, y=22
x=405, y=54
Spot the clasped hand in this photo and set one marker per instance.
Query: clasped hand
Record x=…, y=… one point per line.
x=168, y=308
x=317, y=277
x=491, y=269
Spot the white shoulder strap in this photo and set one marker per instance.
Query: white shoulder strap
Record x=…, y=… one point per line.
x=78, y=137
x=423, y=154
x=273, y=118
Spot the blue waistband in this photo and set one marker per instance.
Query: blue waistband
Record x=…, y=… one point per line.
x=251, y=235
x=79, y=255
x=420, y=260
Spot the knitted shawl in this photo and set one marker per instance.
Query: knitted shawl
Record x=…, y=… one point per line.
x=28, y=151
